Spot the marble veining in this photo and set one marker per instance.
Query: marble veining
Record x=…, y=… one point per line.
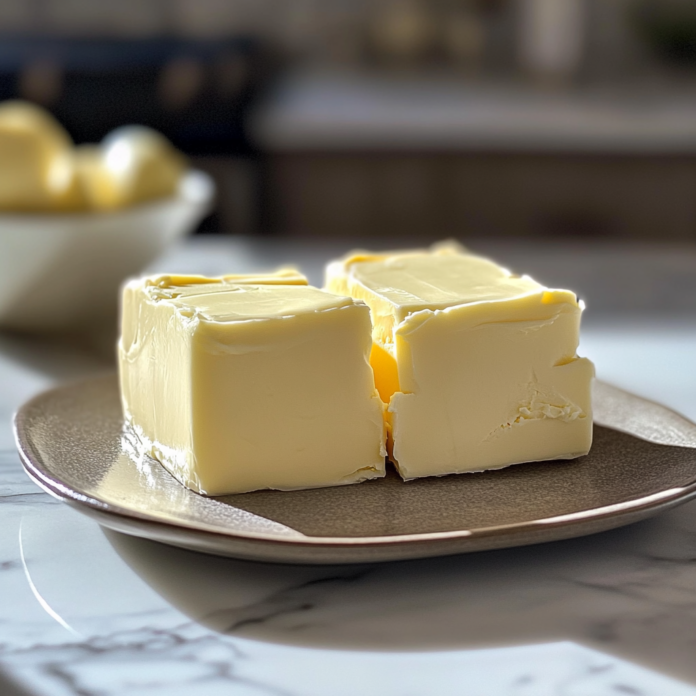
x=137, y=617
x=85, y=612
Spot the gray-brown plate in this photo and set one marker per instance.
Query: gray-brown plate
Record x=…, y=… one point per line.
x=643, y=460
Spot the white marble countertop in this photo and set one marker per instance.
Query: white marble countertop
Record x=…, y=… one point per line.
x=86, y=612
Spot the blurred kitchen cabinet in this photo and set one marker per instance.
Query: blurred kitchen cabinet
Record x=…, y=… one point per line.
x=349, y=153
x=196, y=92
x=344, y=193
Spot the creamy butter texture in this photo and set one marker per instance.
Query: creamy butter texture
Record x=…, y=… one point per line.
x=35, y=172
x=42, y=171
x=478, y=366
x=132, y=165
x=241, y=383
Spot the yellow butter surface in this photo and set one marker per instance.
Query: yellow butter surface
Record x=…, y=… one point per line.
x=478, y=366
x=35, y=172
x=236, y=386
x=132, y=165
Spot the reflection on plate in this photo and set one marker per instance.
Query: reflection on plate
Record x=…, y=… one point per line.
x=643, y=460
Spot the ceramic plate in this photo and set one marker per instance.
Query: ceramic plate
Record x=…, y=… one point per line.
x=643, y=460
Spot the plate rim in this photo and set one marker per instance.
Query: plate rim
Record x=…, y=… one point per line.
x=575, y=524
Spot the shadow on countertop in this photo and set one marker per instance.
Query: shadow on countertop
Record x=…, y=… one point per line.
x=628, y=592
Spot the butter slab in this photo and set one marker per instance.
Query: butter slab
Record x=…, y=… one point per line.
x=478, y=366
x=236, y=386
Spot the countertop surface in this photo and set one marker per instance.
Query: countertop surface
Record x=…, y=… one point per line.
x=343, y=110
x=89, y=612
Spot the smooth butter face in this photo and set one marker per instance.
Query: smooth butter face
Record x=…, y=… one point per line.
x=399, y=284
x=478, y=366
x=236, y=387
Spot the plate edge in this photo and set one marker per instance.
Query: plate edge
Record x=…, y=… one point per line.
x=637, y=507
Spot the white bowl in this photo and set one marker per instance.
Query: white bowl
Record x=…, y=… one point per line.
x=63, y=271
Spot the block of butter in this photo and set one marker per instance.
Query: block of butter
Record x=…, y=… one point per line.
x=478, y=366
x=242, y=383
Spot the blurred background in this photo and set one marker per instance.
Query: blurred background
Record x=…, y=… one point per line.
x=428, y=118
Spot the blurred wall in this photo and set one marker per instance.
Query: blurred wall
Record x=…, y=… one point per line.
x=337, y=117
